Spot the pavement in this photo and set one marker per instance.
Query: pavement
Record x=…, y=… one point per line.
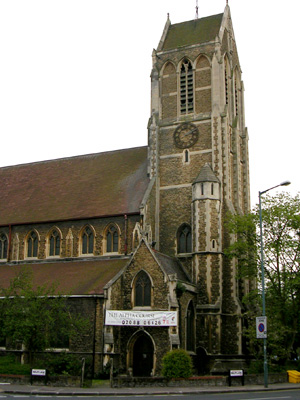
x=138, y=391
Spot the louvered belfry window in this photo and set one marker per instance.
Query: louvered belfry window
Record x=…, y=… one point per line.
x=186, y=88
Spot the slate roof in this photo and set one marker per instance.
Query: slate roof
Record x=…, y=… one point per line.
x=76, y=277
x=94, y=185
x=197, y=31
x=171, y=265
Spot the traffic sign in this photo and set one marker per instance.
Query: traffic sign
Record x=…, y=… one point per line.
x=261, y=327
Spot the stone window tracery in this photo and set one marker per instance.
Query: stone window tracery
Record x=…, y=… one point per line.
x=32, y=244
x=54, y=243
x=112, y=239
x=184, y=239
x=87, y=241
x=142, y=290
x=3, y=246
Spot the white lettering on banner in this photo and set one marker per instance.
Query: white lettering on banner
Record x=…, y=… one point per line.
x=141, y=318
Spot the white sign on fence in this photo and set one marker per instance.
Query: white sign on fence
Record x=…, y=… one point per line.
x=141, y=318
x=236, y=372
x=38, y=372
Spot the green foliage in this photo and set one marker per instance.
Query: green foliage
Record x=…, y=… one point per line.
x=62, y=364
x=281, y=237
x=36, y=317
x=55, y=364
x=8, y=365
x=177, y=364
x=246, y=246
x=180, y=289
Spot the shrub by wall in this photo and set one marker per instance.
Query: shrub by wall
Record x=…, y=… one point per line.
x=177, y=364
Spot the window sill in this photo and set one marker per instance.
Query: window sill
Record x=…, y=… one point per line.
x=185, y=255
x=58, y=349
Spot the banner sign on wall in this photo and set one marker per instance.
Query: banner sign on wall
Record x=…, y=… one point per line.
x=141, y=318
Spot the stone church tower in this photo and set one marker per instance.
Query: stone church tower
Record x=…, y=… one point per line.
x=198, y=162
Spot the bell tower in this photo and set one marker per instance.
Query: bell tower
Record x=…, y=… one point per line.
x=198, y=162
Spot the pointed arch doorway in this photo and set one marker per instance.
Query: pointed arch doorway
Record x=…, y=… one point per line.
x=142, y=356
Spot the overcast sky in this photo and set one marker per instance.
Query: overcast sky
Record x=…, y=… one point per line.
x=75, y=78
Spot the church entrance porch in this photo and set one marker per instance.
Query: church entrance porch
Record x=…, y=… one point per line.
x=141, y=353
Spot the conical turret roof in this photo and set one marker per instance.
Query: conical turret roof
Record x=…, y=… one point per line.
x=206, y=175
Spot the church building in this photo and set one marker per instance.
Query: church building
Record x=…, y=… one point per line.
x=136, y=237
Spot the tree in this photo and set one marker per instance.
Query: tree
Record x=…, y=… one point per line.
x=281, y=235
x=36, y=318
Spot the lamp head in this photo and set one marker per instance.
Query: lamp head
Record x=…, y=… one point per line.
x=285, y=183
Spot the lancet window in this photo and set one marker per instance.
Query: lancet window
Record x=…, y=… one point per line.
x=184, y=239
x=54, y=243
x=87, y=240
x=112, y=239
x=32, y=244
x=142, y=290
x=3, y=246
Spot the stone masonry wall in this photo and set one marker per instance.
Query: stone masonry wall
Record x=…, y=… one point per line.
x=71, y=233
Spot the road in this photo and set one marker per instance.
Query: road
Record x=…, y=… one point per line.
x=273, y=395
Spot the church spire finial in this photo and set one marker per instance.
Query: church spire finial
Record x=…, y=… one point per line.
x=196, y=16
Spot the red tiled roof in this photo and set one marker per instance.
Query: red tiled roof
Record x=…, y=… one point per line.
x=72, y=277
x=86, y=186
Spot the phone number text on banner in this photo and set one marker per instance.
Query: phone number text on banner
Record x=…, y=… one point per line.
x=141, y=318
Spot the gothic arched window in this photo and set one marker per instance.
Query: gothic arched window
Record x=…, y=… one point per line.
x=54, y=243
x=112, y=240
x=184, y=239
x=186, y=88
x=32, y=244
x=87, y=240
x=190, y=328
x=142, y=290
x=3, y=246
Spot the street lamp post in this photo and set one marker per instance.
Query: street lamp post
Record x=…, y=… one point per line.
x=285, y=183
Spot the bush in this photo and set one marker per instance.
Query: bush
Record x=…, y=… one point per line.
x=177, y=364
x=63, y=364
x=8, y=365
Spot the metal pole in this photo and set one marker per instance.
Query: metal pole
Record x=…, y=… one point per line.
x=263, y=289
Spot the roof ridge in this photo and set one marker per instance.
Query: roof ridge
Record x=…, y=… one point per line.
x=71, y=157
x=197, y=20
